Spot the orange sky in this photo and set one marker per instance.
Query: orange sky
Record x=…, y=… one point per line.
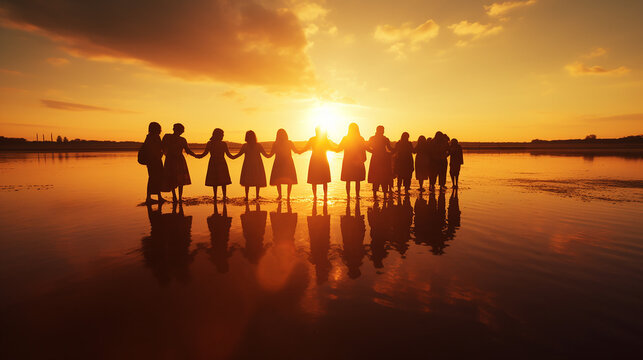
x=478, y=70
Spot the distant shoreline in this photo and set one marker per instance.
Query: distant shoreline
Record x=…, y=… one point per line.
x=631, y=144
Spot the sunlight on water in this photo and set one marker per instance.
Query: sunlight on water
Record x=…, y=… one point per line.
x=528, y=252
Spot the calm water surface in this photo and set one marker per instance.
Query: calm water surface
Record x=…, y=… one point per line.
x=534, y=256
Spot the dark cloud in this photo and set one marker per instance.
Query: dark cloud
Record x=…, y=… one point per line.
x=62, y=105
x=238, y=41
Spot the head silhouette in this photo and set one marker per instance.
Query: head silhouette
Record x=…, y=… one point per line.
x=154, y=128
x=379, y=130
x=217, y=135
x=421, y=139
x=454, y=141
x=282, y=136
x=438, y=135
x=404, y=137
x=353, y=130
x=251, y=137
x=178, y=128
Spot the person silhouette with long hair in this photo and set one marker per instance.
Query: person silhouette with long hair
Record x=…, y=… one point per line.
x=318, y=168
x=153, y=148
x=218, y=174
x=283, y=169
x=253, y=225
x=422, y=159
x=455, y=151
x=353, y=231
x=219, y=225
x=319, y=234
x=439, y=150
x=252, y=171
x=380, y=172
x=175, y=170
x=353, y=169
x=403, y=164
x=167, y=250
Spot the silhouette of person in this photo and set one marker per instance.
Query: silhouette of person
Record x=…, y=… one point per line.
x=380, y=172
x=437, y=223
x=167, y=250
x=353, y=232
x=252, y=171
x=403, y=165
x=456, y=162
x=439, y=150
x=219, y=225
x=253, y=224
x=318, y=168
x=421, y=221
x=422, y=159
x=353, y=169
x=283, y=225
x=319, y=234
x=402, y=222
x=380, y=231
x=453, y=215
x=283, y=169
x=175, y=170
x=153, y=149
x=218, y=174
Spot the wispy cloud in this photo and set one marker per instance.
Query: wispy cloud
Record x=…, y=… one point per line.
x=63, y=105
x=596, y=52
x=405, y=38
x=11, y=72
x=578, y=68
x=474, y=30
x=57, y=61
x=233, y=95
x=502, y=8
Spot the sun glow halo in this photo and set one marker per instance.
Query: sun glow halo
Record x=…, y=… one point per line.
x=330, y=118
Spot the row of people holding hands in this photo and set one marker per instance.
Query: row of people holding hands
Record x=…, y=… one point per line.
x=388, y=161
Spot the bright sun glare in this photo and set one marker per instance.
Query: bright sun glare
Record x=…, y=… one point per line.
x=331, y=118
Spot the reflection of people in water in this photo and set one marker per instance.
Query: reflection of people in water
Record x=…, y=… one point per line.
x=167, y=250
x=283, y=225
x=253, y=224
x=319, y=233
x=353, y=232
x=453, y=215
x=380, y=230
x=219, y=225
x=430, y=223
x=402, y=216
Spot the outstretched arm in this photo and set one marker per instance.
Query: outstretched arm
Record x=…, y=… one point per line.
x=188, y=150
x=205, y=152
x=241, y=152
x=227, y=151
x=305, y=148
x=264, y=153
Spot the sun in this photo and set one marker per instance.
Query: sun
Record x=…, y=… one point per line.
x=331, y=118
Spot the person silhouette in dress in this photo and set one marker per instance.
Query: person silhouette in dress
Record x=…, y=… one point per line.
x=175, y=169
x=380, y=231
x=218, y=174
x=380, y=172
x=219, y=225
x=252, y=171
x=421, y=161
x=353, y=170
x=439, y=150
x=253, y=225
x=318, y=168
x=153, y=148
x=455, y=152
x=403, y=164
x=319, y=234
x=283, y=169
x=353, y=231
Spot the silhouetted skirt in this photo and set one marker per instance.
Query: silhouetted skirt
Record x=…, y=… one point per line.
x=218, y=173
x=318, y=169
x=403, y=167
x=252, y=172
x=353, y=169
x=175, y=172
x=283, y=171
x=421, y=166
x=380, y=170
x=155, y=175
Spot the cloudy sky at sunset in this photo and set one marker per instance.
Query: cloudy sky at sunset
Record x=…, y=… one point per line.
x=478, y=70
